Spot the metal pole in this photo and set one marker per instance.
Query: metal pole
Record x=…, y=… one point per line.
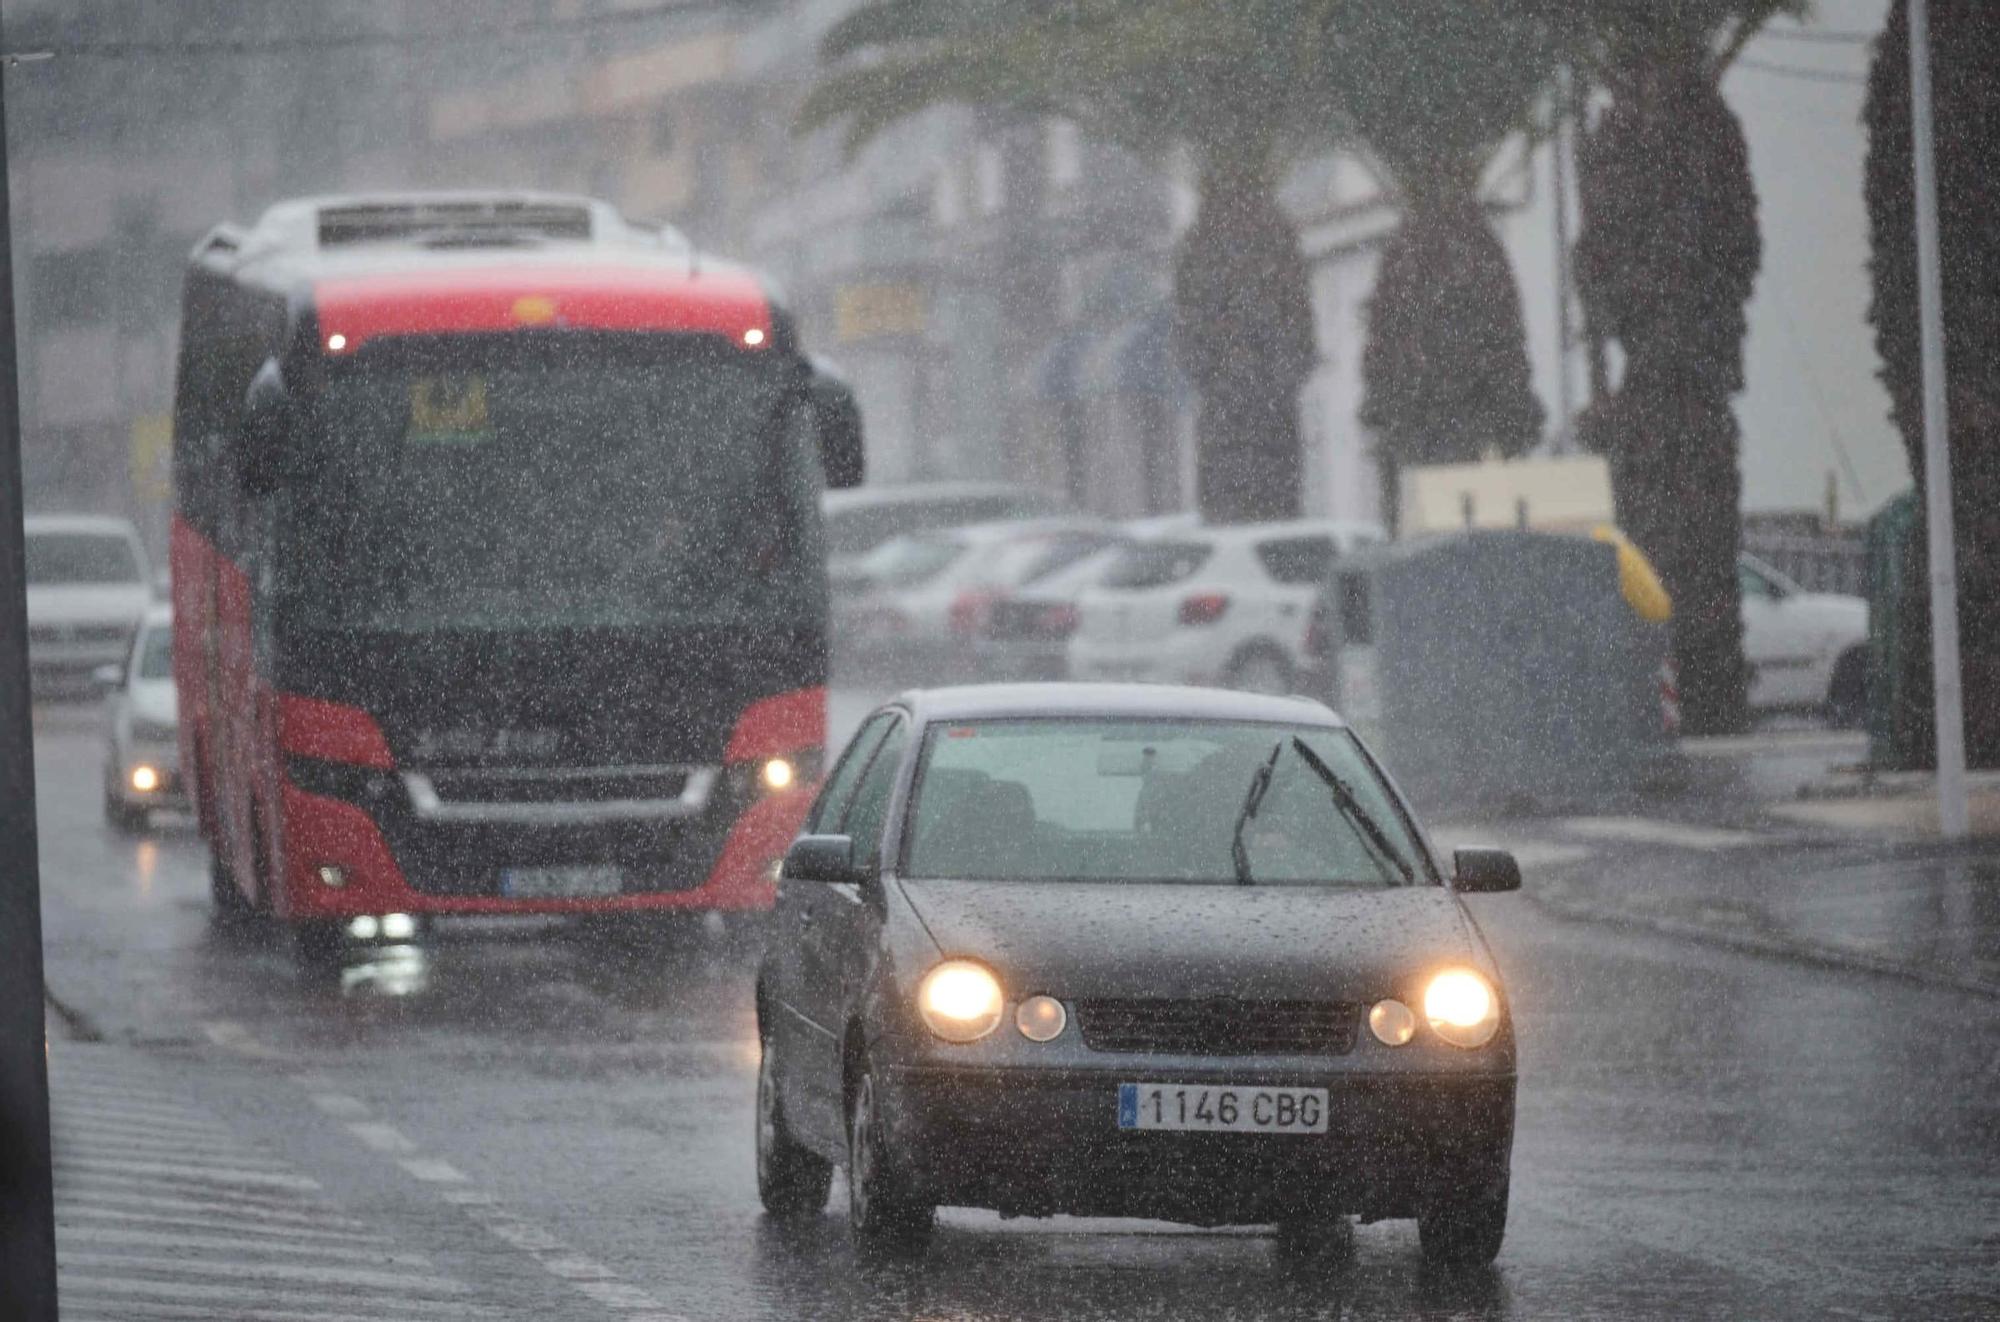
x=1559, y=148
x=1952, y=814
x=27, y=1191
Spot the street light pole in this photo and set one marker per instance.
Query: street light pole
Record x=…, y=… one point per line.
x=27, y=1197
x=1952, y=813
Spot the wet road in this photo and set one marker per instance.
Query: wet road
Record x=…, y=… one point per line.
x=541, y=1125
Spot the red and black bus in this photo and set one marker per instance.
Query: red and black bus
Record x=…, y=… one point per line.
x=498, y=576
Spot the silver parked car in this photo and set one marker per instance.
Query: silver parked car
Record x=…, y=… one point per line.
x=142, y=757
x=88, y=584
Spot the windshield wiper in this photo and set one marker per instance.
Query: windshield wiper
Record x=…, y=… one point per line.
x=1260, y=781
x=1350, y=807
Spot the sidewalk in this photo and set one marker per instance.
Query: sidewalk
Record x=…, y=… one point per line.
x=1779, y=846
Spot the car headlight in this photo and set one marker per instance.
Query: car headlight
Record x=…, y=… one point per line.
x=961, y=1001
x=1462, y=1008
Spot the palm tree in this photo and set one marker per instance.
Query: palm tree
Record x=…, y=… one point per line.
x=1435, y=86
x=1965, y=49
x=1666, y=259
x=1242, y=85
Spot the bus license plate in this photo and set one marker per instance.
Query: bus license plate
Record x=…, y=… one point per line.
x=1221, y=1109
x=581, y=881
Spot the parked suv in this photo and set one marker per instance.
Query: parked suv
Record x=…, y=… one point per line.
x=88, y=584
x=1224, y=605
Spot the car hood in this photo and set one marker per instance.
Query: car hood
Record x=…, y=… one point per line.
x=152, y=700
x=1832, y=608
x=64, y=603
x=1079, y=939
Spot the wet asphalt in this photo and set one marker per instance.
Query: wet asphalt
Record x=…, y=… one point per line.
x=561, y=1125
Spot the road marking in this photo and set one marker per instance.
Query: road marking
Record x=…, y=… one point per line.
x=403, y=1283
x=432, y=1170
x=243, y=1300
x=232, y=1036
x=1651, y=831
x=354, y=1252
x=382, y=1138
x=248, y=1179
x=339, y=1105
x=181, y=1214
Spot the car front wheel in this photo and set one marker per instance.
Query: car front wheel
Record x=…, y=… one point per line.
x=792, y=1181
x=881, y=1214
x=1465, y=1229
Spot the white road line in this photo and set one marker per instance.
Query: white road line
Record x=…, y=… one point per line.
x=97, y=1145
x=382, y=1138
x=617, y=1295
x=204, y=1216
x=1650, y=831
x=408, y=1283
x=339, y=1105
x=156, y=1308
x=432, y=1170
x=380, y=1252
x=223, y=1175
x=91, y=1189
x=96, y=1111
x=232, y=1036
x=241, y=1300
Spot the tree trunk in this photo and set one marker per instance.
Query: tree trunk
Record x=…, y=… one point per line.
x=1445, y=368
x=1965, y=49
x=1243, y=332
x=1666, y=260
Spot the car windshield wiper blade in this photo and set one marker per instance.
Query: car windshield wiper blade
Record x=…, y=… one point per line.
x=1350, y=807
x=1260, y=781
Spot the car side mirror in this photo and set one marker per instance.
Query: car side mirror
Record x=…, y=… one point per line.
x=827, y=858
x=837, y=420
x=260, y=441
x=1484, y=871
x=107, y=679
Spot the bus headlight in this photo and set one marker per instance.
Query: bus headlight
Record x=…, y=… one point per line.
x=961, y=1001
x=1462, y=1008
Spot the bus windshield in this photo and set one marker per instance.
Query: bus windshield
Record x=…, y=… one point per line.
x=575, y=490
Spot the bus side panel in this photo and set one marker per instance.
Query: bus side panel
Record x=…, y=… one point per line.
x=234, y=725
x=191, y=560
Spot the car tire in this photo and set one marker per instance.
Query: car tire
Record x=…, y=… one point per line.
x=1260, y=670
x=227, y=906
x=883, y=1217
x=1465, y=1230
x=1847, y=692
x=792, y=1180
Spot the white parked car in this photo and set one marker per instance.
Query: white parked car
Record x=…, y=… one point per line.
x=1224, y=605
x=1805, y=649
x=927, y=596
x=142, y=756
x=88, y=584
x=860, y=519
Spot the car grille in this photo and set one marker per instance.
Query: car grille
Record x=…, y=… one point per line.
x=1219, y=1028
x=78, y=633
x=561, y=787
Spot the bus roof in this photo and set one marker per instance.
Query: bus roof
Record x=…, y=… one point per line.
x=399, y=264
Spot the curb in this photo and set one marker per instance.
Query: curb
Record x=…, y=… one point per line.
x=1811, y=954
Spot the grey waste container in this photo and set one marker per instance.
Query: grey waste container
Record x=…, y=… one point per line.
x=1494, y=667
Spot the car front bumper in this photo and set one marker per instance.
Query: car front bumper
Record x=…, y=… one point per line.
x=1038, y=1142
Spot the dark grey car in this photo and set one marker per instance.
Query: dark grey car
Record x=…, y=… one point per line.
x=1135, y=951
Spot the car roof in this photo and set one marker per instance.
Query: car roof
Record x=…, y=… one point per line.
x=1145, y=701
x=917, y=493
x=158, y=616
x=101, y=524
x=1344, y=531
x=1004, y=530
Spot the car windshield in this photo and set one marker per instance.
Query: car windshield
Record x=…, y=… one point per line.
x=626, y=487
x=156, y=653
x=1152, y=801
x=909, y=562
x=1155, y=565
x=80, y=558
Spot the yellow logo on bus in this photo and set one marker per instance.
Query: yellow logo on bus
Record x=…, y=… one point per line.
x=534, y=310
x=447, y=410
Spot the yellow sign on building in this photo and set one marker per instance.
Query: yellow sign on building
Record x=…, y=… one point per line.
x=866, y=312
x=152, y=457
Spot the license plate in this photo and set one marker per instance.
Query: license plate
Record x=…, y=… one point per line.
x=1222, y=1109
x=580, y=881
